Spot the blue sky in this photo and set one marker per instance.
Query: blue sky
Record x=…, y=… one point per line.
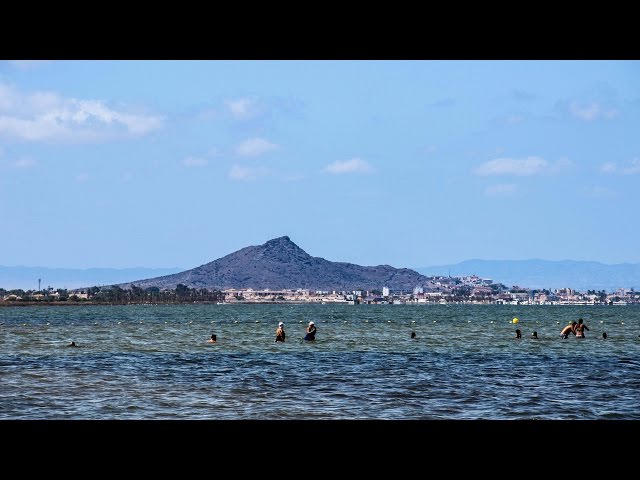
x=407, y=163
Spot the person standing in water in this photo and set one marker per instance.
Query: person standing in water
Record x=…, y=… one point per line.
x=580, y=328
x=311, y=332
x=568, y=329
x=280, y=332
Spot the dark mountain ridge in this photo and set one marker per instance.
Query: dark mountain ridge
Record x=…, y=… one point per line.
x=281, y=264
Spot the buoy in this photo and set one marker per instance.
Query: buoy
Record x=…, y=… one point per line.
x=468, y=321
x=257, y=321
x=48, y=323
x=366, y=321
x=388, y=321
x=300, y=321
x=558, y=323
x=434, y=321
x=235, y=321
x=344, y=321
x=413, y=321
x=515, y=320
x=601, y=321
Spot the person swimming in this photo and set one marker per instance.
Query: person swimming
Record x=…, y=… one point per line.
x=413, y=334
x=568, y=329
x=604, y=335
x=311, y=332
x=518, y=333
x=72, y=344
x=213, y=339
x=534, y=336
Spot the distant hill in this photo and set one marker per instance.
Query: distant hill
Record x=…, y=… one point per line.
x=281, y=264
x=578, y=275
x=26, y=278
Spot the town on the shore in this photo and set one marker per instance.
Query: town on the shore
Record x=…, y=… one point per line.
x=442, y=290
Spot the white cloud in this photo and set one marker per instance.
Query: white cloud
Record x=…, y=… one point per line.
x=28, y=64
x=239, y=172
x=82, y=177
x=630, y=167
x=243, y=108
x=355, y=165
x=47, y=116
x=608, y=167
x=512, y=166
x=591, y=111
x=503, y=189
x=253, y=147
x=560, y=165
x=22, y=163
x=599, y=192
x=191, y=162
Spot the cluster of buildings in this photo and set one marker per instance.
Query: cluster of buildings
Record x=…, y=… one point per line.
x=438, y=290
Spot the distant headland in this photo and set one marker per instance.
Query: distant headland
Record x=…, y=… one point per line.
x=280, y=271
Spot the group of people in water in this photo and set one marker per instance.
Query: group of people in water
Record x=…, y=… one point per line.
x=577, y=328
x=310, y=332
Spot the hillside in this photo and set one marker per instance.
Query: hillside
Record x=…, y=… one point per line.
x=281, y=264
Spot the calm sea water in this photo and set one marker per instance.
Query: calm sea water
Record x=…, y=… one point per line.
x=153, y=362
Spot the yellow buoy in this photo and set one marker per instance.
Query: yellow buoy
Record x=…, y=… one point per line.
x=515, y=320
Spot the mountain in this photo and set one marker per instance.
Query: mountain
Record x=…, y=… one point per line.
x=579, y=275
x=26, y=278
x=281, y=264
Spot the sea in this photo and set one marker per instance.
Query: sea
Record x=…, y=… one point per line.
x=153, y=362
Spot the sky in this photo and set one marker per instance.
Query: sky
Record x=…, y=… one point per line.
x=408, y=163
